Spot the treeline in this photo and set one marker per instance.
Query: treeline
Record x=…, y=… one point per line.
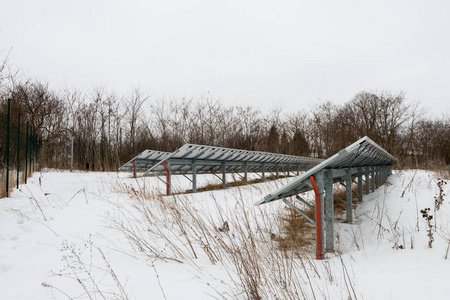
x=108, y=129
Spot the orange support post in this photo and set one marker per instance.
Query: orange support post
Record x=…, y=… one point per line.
x=318, y=219
x=134, y=169
x=167, y=179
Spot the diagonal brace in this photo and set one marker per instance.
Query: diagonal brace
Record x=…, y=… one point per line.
x=305, y=202
x=299, y=211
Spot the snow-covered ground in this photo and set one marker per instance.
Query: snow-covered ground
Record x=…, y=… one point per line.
x=78, y=235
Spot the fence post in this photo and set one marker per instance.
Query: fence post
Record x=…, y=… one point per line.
x=93, y=155
x=71, y=155
x=18, y=149
x=31, y=150
x=26, y=153
x=33, y=147
x=8, y=135
x=35, y=151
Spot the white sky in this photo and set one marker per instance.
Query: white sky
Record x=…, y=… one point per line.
x=259, y=53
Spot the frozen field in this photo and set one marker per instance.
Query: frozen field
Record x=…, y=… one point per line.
x=108, y=236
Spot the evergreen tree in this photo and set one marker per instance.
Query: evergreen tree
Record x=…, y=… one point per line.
x=273, y=140
x=284, y=143
x=299, y=144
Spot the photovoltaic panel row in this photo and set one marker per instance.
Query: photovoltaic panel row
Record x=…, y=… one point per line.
x=145, y=160
x=362, y=153
x=210, y=159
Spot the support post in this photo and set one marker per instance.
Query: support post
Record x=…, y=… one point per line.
x=317, y=183
x=134, y=169
x=367, y=177
x=18, y=149
x=372, y=182
x=360, y=185
x=276, y=170
x=245, y=171
x=168, y=178
x=224, y=178
x=194, y=177
x=329, y=219
x=263, y=175
x=348, y=198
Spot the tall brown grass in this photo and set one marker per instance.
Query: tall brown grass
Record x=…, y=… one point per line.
x=266, y=253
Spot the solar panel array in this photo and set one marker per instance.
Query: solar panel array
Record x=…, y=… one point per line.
x=364, y=158
x=211, y=159
x=145, y=160
x=362, y=153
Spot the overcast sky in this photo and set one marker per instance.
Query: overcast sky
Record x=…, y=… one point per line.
x=259, y=53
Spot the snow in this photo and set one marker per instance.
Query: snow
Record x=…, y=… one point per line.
x=62, y=237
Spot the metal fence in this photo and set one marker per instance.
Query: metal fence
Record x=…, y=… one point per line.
x=20, y=161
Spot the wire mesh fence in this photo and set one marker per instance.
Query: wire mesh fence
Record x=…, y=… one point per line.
x=19, y=152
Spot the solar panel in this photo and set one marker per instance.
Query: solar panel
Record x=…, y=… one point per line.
x=144, y=160
x=362, y=158
x=362, y=153
x=210, y=159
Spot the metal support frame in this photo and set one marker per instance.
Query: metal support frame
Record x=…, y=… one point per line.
x=372, y=181
x=378, y=177
x=324, y=220
x=216, y=160
x=298, y=210
x=194, y=177
x=224, y=177
x=246, y=171
x=263, y=174
x=348, y=196
x=329, y=206
x=367, y=179
x=364, y=158
x=360, y=185
x=305, y=202
x=339, y=198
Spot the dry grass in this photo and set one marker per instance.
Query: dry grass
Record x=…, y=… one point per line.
x=297, y=231
x=235, y=183
x=406, y=163
x=265, y=253
x=339, y=206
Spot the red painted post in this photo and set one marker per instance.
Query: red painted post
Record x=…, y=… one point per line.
x=134, y=169
x=318, y=219
x=167, y=179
